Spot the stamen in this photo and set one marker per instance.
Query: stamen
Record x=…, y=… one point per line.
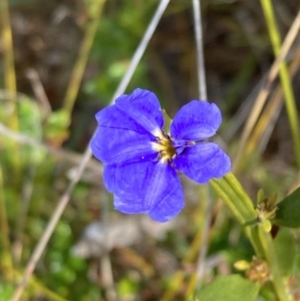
x=164, y=146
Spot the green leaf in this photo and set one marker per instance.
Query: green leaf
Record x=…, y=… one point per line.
x=285, y=248
x=288, y=212
x=229, y=288
x=260, y=195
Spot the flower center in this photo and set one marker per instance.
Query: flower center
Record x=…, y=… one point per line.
x=164, y=146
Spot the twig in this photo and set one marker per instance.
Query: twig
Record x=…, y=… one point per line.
x=39, y=91
x=87, y=155
x=200, y=52
x=141, y=49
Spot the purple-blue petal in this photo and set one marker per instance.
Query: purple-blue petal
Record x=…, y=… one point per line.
x=114, y=145
x=171, y=199
x=143, y=107
x=128, y=178
x=196, y=120
x=129, y=204
x=113, y=117
x=148, y=187
x=203, y=162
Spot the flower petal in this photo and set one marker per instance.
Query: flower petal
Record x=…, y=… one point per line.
x=148, y=187
x=127, y=178
x=196, y=120
x=129, y=205
x=171, y=201
x=113, y=117
x=143, y=107
x=202, y=162
x=112, y=145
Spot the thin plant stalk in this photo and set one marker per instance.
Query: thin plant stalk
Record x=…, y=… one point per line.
x=80, y=65
x=9, y=79
x=284, y=77
x=200, y=51
x=5, y=248
x=141, y=49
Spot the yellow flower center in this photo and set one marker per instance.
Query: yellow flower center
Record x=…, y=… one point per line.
x=164, y=146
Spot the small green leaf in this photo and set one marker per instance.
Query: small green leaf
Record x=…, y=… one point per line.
x=229, y=288
x=260, y=195
x=288, y=211
x=285, y=248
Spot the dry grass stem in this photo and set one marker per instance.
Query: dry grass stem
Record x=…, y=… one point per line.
x=266, y=88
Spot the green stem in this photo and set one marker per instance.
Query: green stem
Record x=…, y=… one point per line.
x=270, y=255
x=230, y=190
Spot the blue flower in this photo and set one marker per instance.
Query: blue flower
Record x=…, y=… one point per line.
x=141, y=160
